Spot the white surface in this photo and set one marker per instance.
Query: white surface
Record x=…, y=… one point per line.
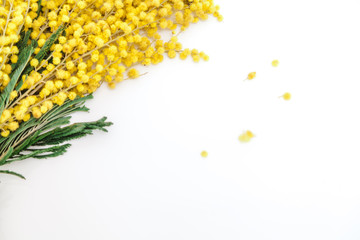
x=145, y=179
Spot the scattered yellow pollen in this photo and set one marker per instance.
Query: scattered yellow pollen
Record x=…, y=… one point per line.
x=275, y=63
x=246, y=136
x=286, y=96
x=249, y=134
x=251, y=76
x=204, y=154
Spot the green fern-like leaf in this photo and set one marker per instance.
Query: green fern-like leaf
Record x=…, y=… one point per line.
x=12, y=173
x=47, y=136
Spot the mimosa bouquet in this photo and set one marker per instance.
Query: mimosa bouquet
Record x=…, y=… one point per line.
x=55, y=53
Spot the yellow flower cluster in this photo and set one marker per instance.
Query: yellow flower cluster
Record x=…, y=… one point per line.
x=13, y=16
x=103, y=41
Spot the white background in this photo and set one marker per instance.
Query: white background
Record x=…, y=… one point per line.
x=298, y=179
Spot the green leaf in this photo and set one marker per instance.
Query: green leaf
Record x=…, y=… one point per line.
x=39, y=153
x=14, y=76
x=25, y=36
x=6, y=156
x=24, y=55
x=26, y=143
x=20, y=83
x=74, y=131
x=12, y=173
x=39, y=8
x=44, y=51
x=49, y=42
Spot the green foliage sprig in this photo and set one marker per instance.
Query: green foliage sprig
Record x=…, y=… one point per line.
x=45, y=137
